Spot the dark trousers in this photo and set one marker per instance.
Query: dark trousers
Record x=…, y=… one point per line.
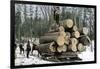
x=28, y=51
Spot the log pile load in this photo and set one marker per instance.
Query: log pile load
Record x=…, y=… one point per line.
x=64, y=38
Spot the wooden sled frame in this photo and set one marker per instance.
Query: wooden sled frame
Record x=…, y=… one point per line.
x=12, y=64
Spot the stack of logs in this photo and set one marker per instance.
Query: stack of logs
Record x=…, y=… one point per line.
x=64, y=38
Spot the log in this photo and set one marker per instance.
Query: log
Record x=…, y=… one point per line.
x=81, y=48
x=74, y=41
x=72, y=48
x=75, y=28
x=52, y=47
x=76, y=34
x=52, y=34
x=59, y=49
x=44, y=48
x=62, y=48
x=47, y=39
x=67, y=40
x=68, y=23
x=85, y=40
x=60, y=41
x=84, y=31
x=62, y=33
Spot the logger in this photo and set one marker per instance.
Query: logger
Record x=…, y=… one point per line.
x=56, y=14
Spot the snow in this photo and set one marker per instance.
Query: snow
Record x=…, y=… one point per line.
x=22, y=60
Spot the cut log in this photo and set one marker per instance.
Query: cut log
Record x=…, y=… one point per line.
x=85, y=40
x=62, y=48
x=47, y=39
x=44, y=48
x=84, y=31
x=52, y=34
x=81, y=48
x=52, y=47
x=76, y=34
x=62, y=33
x=68, y=23
x=74, y=41
x=72, y=47
x=75, y=28
x=60, y=41
x=59, y=49
x=73, y=44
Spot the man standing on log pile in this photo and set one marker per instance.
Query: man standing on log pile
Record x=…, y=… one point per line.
x=56, y=15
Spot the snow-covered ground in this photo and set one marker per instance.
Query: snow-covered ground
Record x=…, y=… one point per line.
x=88, y=55
x=21, y=59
